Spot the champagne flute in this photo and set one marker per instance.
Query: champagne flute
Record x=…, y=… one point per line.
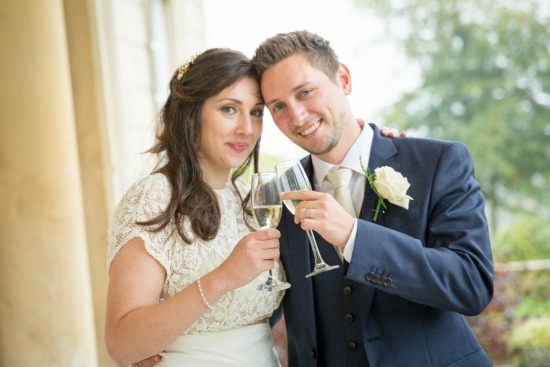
x=267, y=208
x=292, y=177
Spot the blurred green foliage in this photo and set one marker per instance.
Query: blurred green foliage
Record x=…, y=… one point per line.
x=529, y=343
x=519, y=296
x=533, y=333
x=527, y=238
x=485, y=71
x=533, y=294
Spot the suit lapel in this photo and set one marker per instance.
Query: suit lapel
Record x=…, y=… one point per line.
x=383, y=153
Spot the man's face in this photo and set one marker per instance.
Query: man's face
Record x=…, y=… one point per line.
x=306, y=105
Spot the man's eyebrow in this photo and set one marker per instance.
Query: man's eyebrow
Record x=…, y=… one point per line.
x=295, y=89
x=275, y=100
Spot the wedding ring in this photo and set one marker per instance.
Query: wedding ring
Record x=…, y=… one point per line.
x=307, y=213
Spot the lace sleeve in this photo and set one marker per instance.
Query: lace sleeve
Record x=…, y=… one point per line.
x=146, y=199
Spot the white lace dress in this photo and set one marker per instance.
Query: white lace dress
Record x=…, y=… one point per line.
x=235, y=312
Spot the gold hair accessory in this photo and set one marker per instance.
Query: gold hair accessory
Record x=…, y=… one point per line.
x=183, y=69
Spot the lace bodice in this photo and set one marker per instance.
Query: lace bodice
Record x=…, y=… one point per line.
x=184, y=263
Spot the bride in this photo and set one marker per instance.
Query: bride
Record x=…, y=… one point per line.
x=184, y=257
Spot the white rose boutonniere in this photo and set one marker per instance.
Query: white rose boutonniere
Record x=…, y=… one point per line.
x=388, y=184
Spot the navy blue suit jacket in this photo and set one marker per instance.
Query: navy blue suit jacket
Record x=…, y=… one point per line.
x=416, y=272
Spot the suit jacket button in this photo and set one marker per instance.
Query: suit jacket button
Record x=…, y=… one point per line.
x=312, y=353
x=387, y=282
x=369, y=276
x=347, y=291
x=348, y=318
x=381, y=280
x=352, y=346
x=375, y=278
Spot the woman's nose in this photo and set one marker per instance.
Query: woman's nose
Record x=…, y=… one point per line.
x=245, y=125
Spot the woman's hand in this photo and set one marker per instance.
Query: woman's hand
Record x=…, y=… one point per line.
x=392, y=132
x=255, y=253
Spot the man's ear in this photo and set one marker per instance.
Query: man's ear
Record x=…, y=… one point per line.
x=344, y=78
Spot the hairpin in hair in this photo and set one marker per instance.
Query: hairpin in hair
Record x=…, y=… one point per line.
x=183, y=69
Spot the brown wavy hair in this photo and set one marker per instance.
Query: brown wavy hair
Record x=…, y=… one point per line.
x=179, y=136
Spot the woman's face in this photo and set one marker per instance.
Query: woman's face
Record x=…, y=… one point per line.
x=231, y=125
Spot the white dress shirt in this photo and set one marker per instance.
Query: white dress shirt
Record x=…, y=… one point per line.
x=361, y=148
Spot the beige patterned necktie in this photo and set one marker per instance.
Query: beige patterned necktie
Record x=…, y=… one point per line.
x=340, y=180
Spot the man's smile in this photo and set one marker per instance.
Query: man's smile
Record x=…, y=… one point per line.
x=311, y=129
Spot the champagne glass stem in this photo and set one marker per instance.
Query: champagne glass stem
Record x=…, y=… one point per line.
x=320, y=265
x=313, y=243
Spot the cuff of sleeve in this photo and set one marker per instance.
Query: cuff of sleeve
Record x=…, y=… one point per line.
x=348, y=250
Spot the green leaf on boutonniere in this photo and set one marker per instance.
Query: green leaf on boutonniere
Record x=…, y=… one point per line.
x=371, y=177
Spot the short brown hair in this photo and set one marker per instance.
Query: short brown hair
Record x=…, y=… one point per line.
x=315, y=48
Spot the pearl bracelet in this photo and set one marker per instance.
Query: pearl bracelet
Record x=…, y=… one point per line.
x=202, y=295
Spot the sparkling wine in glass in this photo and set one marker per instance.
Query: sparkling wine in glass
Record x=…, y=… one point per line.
x=267, y=208
x=292, y=177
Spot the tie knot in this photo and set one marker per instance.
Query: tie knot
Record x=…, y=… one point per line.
x=340, y=177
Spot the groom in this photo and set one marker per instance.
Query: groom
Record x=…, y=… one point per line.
x=408, y=278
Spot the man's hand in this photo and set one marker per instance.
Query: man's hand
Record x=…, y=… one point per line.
x=149, y=362
x=321, y=213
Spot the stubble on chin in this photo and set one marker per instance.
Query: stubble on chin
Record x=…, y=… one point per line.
x=330, y=141
x=329, y=144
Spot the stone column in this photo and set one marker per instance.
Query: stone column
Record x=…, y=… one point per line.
x=93, y=152
x=46, y=313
